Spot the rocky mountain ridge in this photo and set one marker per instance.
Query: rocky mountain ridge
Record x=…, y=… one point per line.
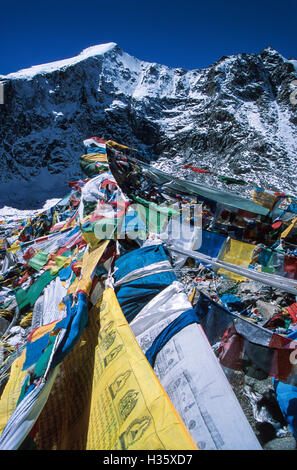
x=234, y=117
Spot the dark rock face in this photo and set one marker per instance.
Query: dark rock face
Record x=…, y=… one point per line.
x=235, y=117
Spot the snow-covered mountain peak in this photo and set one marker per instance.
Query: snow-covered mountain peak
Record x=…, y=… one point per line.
x=59, y=64
x=234, y=117
x=97, y=49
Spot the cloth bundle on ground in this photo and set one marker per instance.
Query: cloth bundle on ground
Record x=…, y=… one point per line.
x=139, y=276
x=167, y=330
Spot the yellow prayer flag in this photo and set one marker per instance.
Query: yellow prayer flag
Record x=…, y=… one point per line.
x=89, y=263
x=12, y=390
x=238, y=253
x=107, y=396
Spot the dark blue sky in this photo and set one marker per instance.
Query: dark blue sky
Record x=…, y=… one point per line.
x=183, y=33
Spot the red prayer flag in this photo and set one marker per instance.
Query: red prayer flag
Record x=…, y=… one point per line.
x=197, y=170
